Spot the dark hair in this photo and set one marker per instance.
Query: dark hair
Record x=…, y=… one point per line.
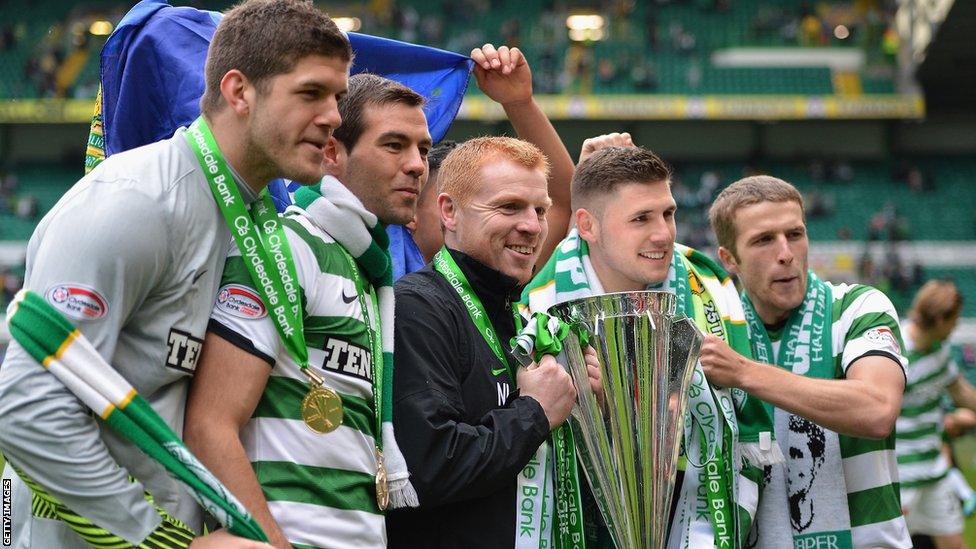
x=369, y=89
x=265, y=38
x=605, y=170
x=439, y=152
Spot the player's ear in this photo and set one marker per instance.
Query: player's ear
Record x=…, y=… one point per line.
x=448, y=210
x=587, y=225
x=728, y=260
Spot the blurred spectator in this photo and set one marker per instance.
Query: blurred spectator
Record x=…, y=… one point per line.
x=432, y=30
x=650, y=28
x=10, y=284
x=844, y=172
x=26, y=207
x=8, y=184
x=406, y=20
x=886, y=224
x=7, y=37
x=819, y=205
x=510, y=31
x=643, y=76
x=694, y=75
x=707, y=187
x=606, y=74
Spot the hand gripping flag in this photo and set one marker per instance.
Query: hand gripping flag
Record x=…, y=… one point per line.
x=58, y=346
x=152, y=77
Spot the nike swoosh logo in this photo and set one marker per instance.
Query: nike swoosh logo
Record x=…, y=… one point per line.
x=348, y=299
x=498, y=371
x=197, y=277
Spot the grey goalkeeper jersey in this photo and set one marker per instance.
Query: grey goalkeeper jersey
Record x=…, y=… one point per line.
x=132, y=255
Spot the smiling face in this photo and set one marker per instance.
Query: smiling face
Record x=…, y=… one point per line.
x=502, y=224
x=293, y=117
x=631, y=235
x=388, y=164
x=771, y=247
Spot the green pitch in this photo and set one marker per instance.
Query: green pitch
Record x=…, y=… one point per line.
x=965, y=448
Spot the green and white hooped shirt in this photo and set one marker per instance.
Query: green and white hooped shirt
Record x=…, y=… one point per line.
x=833, y=490
x=320, y=488
x=919, y=428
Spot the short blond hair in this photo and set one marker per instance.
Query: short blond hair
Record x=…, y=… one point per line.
x=459, y=173
x=936, y=301
x=743, y=193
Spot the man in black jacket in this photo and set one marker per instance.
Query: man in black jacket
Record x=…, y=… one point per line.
x=464, y=429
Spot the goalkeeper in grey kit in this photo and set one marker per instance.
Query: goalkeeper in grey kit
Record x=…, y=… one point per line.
x=132, y=255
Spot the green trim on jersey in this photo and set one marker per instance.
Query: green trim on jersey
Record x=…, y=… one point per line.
x=322, y=486
x=327, y=319
x=171, y=533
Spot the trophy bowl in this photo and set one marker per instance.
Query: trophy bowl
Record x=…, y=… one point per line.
x=627, y=439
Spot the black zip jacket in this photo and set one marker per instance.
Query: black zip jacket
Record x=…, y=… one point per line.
x=463, y=428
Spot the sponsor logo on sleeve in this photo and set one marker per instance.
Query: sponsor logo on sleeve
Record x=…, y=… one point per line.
x=884, y=338
x=77, y=301
x=241, y=301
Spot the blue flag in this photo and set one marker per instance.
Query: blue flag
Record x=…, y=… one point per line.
x=152, y=79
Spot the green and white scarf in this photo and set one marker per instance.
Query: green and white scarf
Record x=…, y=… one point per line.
x=338, y=212
x=735, y=428
x=805, y=349
x=58, y=346
x=548, y=501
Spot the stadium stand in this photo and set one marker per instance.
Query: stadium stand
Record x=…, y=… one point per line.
x=890, y=203
x=665, y=47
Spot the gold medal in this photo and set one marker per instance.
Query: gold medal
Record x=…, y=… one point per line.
x=382, y=484
x=322, y=410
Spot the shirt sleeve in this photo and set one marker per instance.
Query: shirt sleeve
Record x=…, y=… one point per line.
x=240, y=315
x=98, y=256
x=451, y=460
x=870, y=325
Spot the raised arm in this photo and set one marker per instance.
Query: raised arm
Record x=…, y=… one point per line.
x=504, y=76
x=963, y=393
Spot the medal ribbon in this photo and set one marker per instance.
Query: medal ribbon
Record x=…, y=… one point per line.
x=260, y=237
x=446, y=266
x=375, y=347
x=568, y=531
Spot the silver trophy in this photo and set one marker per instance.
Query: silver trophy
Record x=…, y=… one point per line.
x=628, y=443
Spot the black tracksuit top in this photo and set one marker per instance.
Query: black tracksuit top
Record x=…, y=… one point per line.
x=463, y=429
